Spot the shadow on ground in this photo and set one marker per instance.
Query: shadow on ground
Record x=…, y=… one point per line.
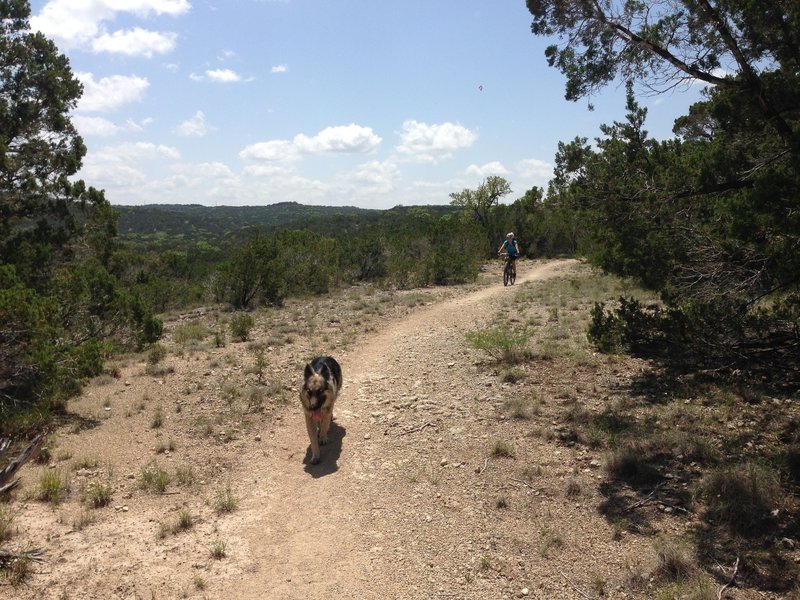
x=329, y=454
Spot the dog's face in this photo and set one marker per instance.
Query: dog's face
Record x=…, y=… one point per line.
x=319, y=389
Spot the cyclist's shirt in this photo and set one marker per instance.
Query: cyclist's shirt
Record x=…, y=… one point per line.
x=510, y=247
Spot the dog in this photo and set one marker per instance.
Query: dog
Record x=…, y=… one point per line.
x=322, y=380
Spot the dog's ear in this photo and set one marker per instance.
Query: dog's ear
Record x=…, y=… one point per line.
x=325, y=372
x=309, y=371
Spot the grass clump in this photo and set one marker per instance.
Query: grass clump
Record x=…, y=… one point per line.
x=184, y=476
x=53, y=487
x=154, y=479
x=549, y=540
x=218, y=550
x=99, y=494
x=741, y=497
x=503, y=449
x=16, y=569
x=156, y=354
x=226, y=501
x=190, y=333
x=504, y=345
x=6, y=523
x=185, y=520
x=240, y=326
x=630, y=462
x=158, y=418
x=674, y=562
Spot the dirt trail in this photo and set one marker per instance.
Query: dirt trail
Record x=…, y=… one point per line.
x=408, y=501
x=355, y=526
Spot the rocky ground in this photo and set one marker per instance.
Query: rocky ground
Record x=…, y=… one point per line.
x=445, y=477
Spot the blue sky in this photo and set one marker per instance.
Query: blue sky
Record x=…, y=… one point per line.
x=327, y=102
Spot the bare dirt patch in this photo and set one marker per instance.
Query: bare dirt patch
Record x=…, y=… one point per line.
x=444, y=477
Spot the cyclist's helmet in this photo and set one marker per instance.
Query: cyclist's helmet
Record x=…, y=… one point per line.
x=510, y=234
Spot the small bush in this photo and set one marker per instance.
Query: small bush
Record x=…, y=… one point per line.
x=158, y=418
x=630, y=462
x=99, y=494
x=154, y=479
x=185, y=520
x=156, y=354
x=572, y=489
x=16, y=569
x=218, y=550
x=741, y=497
x=674, y=562
x=226, y=502
x=240, y=326
x=53, y=487
x=549, y=540
x=189, y=333
x=504, y=345
x=185, y=476
x=503, y=449
x=6, y=523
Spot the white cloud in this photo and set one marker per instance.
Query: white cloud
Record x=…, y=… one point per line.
x=195, y=126
x=110, y=93
x=280, y=69
x=374, y=177
x=206, y=170
x=218, y=76
x=104, y=174
x=266, y=170
x=99, y=126
x=346, y=139
x=533, y=168
x=79, y=23
x=125, y=153
x=431, y=143
x=272, y=151
x=491, y=168
x=135, y=42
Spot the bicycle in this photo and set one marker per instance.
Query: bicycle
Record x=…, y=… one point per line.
x=509, y=275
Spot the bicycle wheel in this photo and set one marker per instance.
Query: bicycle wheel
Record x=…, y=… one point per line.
x=506, y=274
x=512, y=276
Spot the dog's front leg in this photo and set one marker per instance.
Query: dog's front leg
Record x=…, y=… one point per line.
x=313, y=436
x=327, y=417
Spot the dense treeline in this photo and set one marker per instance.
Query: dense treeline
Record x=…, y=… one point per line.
x=266, y=254
x=708, y=219
x=61, y=308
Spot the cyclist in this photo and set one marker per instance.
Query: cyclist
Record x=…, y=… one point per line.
x=511, y=247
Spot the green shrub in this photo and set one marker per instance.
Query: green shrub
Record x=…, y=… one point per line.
x=99, y=494
x=156, y=354
x=190, y=332
x=503, y=449
x=741, y=497
x=218, y=550
x=240, y=326
x=6, y=522
x=53, y=487
x=154, y=479
x=504, y=345
x=674, y=562
x=226, y=501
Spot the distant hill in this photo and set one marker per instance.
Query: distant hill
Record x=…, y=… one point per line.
x=154, y=222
